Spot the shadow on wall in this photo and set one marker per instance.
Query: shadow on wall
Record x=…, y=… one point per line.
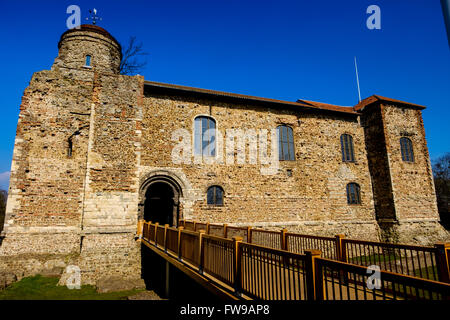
x=3, y=198
x=441, y=175
x=445, y=219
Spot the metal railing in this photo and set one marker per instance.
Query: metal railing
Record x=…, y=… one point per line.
x=271, y=274
x=172, y=240
x=231, y=232
x=410, y=260
x=216, y=230
x=261, y=272
x=419, y=261
x=343, y=281
x=271, y=239
x=217, y=258
x=189, y=245
x=299, y=243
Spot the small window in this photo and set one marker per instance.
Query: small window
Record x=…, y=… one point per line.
x=88, y=61
x=205, y=136
x=285, y=143
x=407, y=149
x=353, y=193
x=347, y=148
x=214, y=196
x=70, y=147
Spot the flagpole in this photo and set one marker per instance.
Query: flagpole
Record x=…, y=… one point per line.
x=357, y=81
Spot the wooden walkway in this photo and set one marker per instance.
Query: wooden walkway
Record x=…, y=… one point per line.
x=239, y=270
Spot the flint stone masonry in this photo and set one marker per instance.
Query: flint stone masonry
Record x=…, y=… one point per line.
x=90, y=142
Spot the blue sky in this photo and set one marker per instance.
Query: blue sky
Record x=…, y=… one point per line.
x=277, y=49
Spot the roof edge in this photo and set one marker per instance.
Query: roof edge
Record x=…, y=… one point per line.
x=373, y=99
x=91, y=28
x=325, y=107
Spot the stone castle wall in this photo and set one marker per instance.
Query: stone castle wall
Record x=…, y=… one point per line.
x=65, y=207
x=88, y=139
x=413, y=190
x=75, y=45
x=314, y=195
x=412, y=182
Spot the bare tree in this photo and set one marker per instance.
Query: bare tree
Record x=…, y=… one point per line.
x=131, y=63
x=441, y=172
x=3, y=198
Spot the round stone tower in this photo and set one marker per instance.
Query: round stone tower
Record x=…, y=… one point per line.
x=89, y=47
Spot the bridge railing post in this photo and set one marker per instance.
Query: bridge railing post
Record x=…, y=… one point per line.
x=144, y=229
x=312, y=287
x=249, y=234
x=283, y=239
x=201, y=251
x=443, y=261
x=225, y=231
x=139, y=229
x=237, y=272
x=165, y=237
x=341, y=252
x=180, y=230
x=156, y=233
x=147, y=230
x=341, y=255
x=284, y=245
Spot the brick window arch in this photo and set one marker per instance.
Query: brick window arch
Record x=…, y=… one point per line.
x=353, y=193
x=348, y=154
x=205, y=136
x=285, y=143
x=407, y=149
x=214, y=196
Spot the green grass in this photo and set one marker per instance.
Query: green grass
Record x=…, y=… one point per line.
x=46, y=288
x=432, y=273
x=373, y=258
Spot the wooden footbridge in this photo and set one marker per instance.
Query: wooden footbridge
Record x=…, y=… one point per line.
x=245, y=263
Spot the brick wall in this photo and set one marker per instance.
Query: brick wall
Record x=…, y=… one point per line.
x=89, y=141
x=314, y=194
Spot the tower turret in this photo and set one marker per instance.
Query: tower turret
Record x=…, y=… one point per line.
x=89, y=47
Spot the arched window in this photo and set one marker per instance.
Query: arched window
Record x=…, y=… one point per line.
x=285, y=143
x=407, y=149
x=353, y=194
x=87, y=62
x=205, y=136
x=347, y=148
x=214, y=196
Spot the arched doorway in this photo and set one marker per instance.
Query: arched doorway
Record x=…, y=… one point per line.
x=160, y=198
x=159, y=201
x=159, y=204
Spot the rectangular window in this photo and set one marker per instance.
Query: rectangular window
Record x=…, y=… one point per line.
x=205, y=136
x=198, y=136
x=347, y=148
x=88, y=61
x=285, y=138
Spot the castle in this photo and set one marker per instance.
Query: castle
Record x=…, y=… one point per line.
x=95, y=151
